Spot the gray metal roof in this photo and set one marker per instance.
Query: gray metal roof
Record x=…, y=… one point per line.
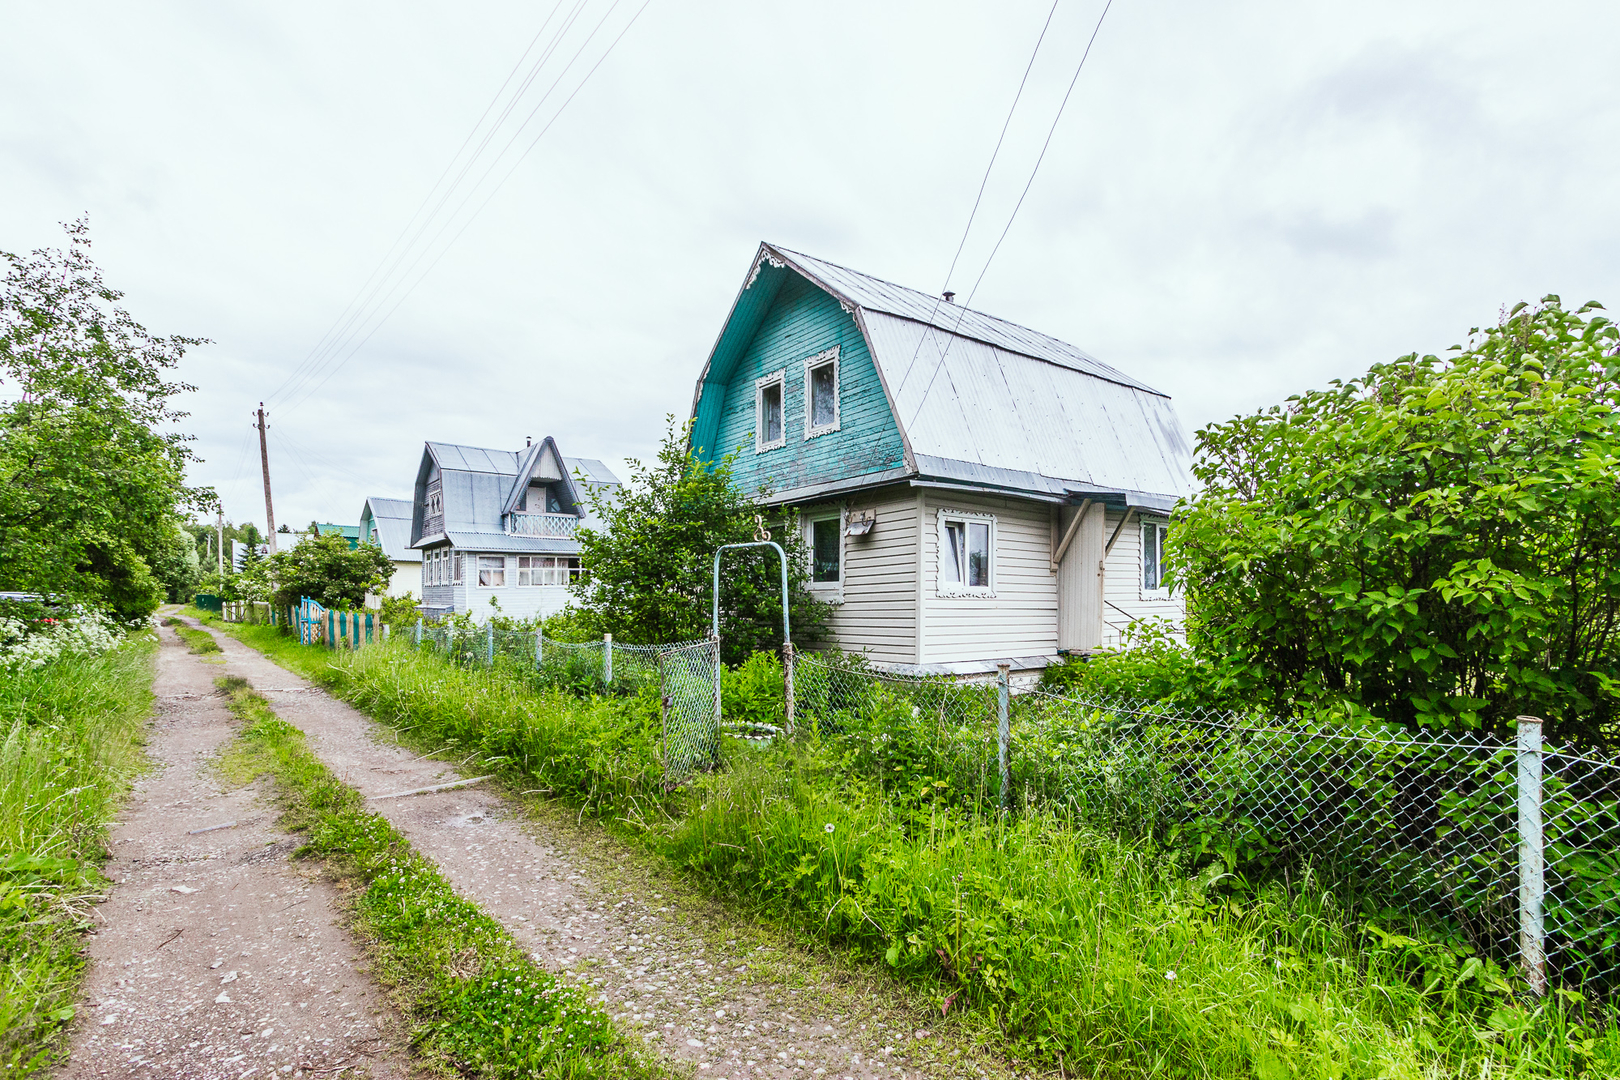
x=875, y=294
x=985, y=402
x=392, y=518
x=477, y=485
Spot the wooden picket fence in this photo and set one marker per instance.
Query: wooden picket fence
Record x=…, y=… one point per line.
x=320, y=625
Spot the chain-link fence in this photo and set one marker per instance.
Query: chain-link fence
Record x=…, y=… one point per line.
x=691, y=709
x=1503, y=843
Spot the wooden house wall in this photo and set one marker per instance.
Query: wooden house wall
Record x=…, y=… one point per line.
x=875, y=608
x=1124, y=600
x=802, y=322
x=1021, y=619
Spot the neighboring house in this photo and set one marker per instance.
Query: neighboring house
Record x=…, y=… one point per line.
x=387, y=523
x=325, y=528
x=501, y=525
x=971, y=490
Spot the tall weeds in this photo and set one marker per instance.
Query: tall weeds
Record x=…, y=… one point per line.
x=70, y=739
x=1093, y=954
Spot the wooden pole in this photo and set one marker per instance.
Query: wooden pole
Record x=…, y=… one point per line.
x=264, y=462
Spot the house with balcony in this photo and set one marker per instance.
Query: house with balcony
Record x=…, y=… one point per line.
x=971, y=490
x=502, y=526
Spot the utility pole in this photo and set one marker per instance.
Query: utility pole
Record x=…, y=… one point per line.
x=264, y=460
x=219, y=547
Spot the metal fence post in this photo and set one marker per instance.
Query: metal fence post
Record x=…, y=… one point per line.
x=418, y=641
x=714, y=737
x=1003, y=735
x=539, y=648
x=1532, y=880
x=787, y=689
x=607, y=659
x=489, y=645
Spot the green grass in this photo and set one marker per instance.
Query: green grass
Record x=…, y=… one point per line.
x=1092, y=955
x=478, y=1005
x=197, y=641
x=70, y=742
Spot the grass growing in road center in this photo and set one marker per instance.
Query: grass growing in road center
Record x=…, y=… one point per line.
x=479, y=1005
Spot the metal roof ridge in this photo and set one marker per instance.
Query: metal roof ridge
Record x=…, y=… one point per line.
x=956, y=331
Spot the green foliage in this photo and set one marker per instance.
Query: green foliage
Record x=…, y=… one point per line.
x=1150, y=665
x=327, y=571
x=399, y=611
x=867, y=839
x=92, y=475
x=1436, y=542
x=70, y=734
x=649, y=571
x=478, y=1003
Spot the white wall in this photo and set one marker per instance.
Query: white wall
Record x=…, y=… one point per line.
x=876, y=603
x=1124, y=599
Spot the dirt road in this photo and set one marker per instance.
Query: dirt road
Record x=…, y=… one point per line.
x=727, y=998
x=215, y=956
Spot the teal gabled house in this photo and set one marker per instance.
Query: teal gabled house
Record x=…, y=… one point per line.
x=972, y=491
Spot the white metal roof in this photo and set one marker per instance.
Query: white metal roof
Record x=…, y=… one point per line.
x=392, y=517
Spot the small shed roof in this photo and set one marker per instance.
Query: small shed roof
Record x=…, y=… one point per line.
x=392, y=520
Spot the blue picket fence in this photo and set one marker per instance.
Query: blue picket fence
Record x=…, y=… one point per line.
x=320, y=625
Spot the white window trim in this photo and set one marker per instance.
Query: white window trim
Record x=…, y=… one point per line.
x=780, y=378
x=504, y=569
x=1160, y=593
x=826, y=589
x=942, y=545
x=456, y=559
x=811, y=362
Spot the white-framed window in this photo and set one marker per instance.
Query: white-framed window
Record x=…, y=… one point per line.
x=492, y=571
x=967, y=553
x=826, y=541
x=455, y=561
x=431, y=566
x=1153, y=569
x=821, y=393
x=547, y=569
x=770, y=418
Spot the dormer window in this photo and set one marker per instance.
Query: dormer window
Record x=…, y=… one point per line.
x=769, y=431
x=821, y=393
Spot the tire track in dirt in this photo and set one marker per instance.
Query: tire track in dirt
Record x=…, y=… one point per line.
x=650, y=964
x=214, y=957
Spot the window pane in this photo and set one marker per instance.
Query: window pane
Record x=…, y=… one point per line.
x=1152, y=556
x=978, y=554
x=823, y=400
x=770, y=413
x=951, y=558
x=825, y=542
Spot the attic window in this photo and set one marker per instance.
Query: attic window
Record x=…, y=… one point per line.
x=769, y=431
x=821, y=393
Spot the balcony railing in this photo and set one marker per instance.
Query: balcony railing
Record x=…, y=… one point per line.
x=546, y=526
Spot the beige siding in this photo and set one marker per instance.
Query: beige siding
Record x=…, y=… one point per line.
x=1021, y=618
x=1124, y=600
x=876, y=606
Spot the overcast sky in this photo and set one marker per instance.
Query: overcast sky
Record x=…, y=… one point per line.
x=1241, y=201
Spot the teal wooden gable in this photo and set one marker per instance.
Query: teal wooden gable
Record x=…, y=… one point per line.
x=780, y=320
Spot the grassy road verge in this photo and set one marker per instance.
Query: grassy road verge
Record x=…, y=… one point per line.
x=1091, y=955
x=478, y=1004
x=70, y=742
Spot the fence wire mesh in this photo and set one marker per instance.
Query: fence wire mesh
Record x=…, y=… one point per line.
x=691, y=738
x=1411, y=829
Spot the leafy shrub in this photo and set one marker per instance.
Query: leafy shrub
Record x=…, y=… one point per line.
x=1151, y=664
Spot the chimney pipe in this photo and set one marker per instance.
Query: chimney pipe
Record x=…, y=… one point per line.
x=950, y=297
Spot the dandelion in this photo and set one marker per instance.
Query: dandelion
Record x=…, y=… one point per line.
x=828, y=827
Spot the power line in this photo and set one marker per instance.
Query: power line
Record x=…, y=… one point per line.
x=487, y=199
x=316, y=378
x=1005, y=124
x=1011, y=217
x=427, y=198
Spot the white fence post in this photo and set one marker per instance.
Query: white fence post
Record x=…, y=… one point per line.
x=1532, y=877
x=489, y=646
x=1003, y=734
x=607, y=659
x=539, y=647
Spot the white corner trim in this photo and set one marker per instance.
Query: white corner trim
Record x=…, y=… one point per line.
x=764, y=257
x=951, y=588
x=830, y=356
x=780, y=378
